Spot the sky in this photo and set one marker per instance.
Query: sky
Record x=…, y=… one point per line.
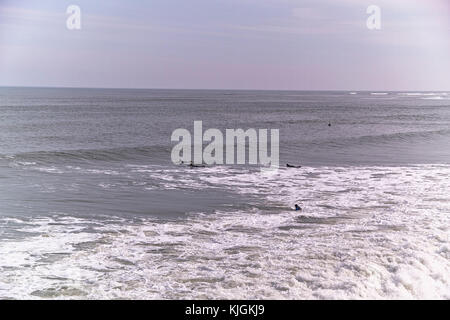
x=227, y=44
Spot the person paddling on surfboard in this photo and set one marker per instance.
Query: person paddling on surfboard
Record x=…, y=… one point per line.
x=192, y=165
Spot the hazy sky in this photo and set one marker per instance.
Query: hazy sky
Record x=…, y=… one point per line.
x=229, y=44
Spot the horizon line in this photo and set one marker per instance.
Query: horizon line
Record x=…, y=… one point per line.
x=215, y=89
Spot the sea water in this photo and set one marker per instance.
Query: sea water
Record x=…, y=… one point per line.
x=91, y=205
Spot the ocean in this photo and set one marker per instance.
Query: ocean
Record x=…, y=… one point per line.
x=92, y=207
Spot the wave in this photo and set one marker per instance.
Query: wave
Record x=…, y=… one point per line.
x=158, y=153
x=86, y=155
x=435, y=98
x=364, y=233
x=393, y=137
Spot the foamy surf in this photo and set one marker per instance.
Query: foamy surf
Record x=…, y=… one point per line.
x=365, y=232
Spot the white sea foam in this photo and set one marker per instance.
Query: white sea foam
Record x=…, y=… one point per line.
x=425, y=96
x=434, y=98
x=365, y=232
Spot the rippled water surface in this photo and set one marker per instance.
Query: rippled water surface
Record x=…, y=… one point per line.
x=92, y=207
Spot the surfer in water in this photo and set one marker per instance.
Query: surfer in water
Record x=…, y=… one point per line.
x=292, y=166
x=192, y=165
x=297, y=208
